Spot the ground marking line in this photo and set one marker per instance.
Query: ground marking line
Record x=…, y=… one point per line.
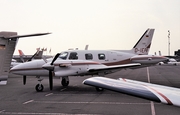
x=2, y=111
x=63, y=89
x=28, y=101
x=109, y=103
x=152, y=108
x=152, y=103
x=48, y=94
x=24, y=113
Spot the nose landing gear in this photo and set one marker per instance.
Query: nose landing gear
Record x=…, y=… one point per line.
x=39, y=87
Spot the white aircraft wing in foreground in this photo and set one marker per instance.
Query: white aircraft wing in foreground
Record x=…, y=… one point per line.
x=153, y=92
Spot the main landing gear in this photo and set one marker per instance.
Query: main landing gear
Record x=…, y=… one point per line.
x=39, y=87
x=65, y=81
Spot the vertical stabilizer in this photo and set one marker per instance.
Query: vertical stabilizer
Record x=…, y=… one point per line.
x=142, y=47
x=21, y=53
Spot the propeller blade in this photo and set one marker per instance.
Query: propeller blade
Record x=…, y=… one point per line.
x=24, y=79
x=50, y=80
x=33, y=56
x=55, y=57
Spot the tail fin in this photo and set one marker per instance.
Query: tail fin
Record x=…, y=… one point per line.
x=21, y=53
x=38, y=54
x=8, y=41
x=142, y=47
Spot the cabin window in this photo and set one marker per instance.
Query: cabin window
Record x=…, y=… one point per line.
x=101, y=56
x=89, y=56
x=73, y=56
x=63, y=55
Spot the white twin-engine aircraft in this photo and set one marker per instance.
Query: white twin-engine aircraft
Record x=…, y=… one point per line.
x=89, y=62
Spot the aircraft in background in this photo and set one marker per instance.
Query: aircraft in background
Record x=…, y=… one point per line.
x=14, y=63
x=8, y=42
x=23, y=58
x=153, y=92
x=89, y=62
x=170, y=61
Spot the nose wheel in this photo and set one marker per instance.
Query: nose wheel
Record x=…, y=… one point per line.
x=39, y=87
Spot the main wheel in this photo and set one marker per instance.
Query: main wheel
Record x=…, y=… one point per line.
x=64, y=82
x=39, y=87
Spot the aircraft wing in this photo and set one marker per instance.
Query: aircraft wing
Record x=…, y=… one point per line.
x=153, y=92
x=116, y=67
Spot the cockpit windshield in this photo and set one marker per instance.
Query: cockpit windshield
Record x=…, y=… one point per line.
x=63, y=55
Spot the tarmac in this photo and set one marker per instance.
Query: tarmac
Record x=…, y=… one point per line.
x=79, y=99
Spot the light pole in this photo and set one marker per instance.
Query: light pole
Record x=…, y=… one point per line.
x=168, y=42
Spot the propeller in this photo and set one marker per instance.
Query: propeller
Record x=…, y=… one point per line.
x=50, y=80
x=22, y=59
x=55, y=57
x=30, y=59
x=50, y=67
x=24, y=79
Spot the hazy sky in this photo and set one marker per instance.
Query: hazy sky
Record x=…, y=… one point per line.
x=103, y=24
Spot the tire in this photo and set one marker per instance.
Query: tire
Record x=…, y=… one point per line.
x=39, y=87
x=64, y=83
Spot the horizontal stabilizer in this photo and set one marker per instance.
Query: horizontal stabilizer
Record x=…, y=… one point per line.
x=28, y=35
x=8, y=41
